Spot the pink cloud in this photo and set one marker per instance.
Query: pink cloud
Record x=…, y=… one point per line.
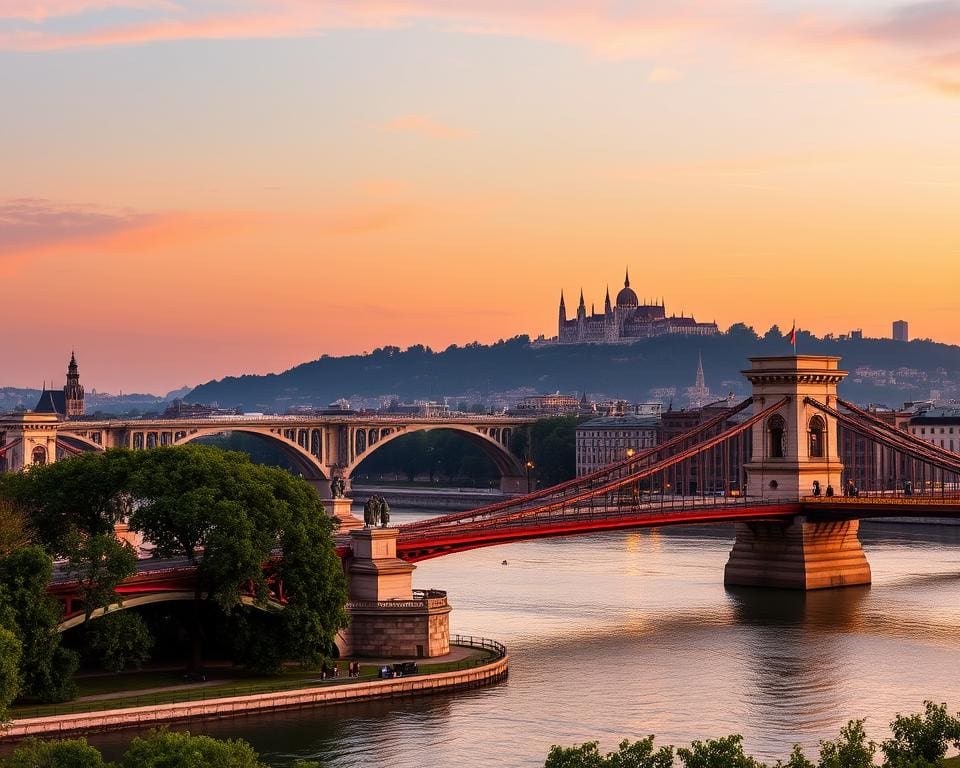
x=29, y=224
x=897, y=42
x=422, y=125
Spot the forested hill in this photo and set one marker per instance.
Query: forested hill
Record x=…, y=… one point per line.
x=628, y=371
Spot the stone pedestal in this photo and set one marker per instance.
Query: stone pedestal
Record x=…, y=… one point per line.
x=387, y=618
x=340, y=509
x=797, y=555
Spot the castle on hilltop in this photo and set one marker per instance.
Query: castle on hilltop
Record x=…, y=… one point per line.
x=627, y=321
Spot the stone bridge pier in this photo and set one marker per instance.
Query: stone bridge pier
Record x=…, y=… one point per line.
x=388, y=618
x=792, y=452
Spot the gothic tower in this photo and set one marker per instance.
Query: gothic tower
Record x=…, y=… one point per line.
x=73, y=391
x=563, y=317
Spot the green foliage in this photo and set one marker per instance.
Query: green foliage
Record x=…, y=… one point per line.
x=65, y=753
x=726, y=752
x=796, y=760
x=14, y=530
x=98, y=563
x=86, y=493
x=119, y=640
x=10, y=652
x=228, y=516
x=851, y=750
x=553, y=449
x=46, y=669
x=921, y=741
x=440, y=455
x=169, y=749
x=638, y=754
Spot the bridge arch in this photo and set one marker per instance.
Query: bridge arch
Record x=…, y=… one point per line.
x=156, y=597
x=80, y=440
x=492, y=446
x=300, y=456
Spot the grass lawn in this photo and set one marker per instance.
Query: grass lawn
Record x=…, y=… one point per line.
x=951, y=762
x=235, y=682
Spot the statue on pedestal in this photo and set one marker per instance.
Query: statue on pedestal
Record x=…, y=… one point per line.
x=338, y=487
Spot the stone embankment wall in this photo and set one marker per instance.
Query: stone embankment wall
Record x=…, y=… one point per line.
x=143, y=717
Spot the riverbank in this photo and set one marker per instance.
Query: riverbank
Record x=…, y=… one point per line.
x=205, y=704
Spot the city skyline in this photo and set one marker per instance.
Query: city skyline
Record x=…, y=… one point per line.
x=194, y=190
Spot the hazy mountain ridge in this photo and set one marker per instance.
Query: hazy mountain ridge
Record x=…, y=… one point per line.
x=628, y=371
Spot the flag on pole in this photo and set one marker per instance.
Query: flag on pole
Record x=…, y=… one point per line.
x=793, y=337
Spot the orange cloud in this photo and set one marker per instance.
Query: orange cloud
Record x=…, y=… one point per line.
x=422, y=125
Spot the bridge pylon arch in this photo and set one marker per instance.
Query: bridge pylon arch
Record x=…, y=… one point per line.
x=491, y=442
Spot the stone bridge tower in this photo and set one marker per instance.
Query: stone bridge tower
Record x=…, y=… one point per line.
x=794, y=449
x=796, y=446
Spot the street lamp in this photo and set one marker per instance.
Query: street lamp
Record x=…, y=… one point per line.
x=630, y=453
x=529, y=465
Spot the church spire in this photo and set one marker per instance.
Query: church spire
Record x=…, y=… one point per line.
x=606, y=302
x=582, y=302
x=699, y=383
x=626, y=279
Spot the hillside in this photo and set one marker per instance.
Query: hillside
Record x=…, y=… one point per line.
x=628, y=371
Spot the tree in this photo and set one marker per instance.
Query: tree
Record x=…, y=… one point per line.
x=920, y=741
x=119, y=640
x=73, y=505
x=168, y=749
x=85, y=493
x=229, y=517
x=638, y=754
x=851, y=750
x=10, y=653
x=61, y=753
x=98, y=564
x=726, y=752
x=796, y=760
x=46, y=669
x=14, y=532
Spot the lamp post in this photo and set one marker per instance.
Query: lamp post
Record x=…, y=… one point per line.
x=630, y=453
x=529, y=465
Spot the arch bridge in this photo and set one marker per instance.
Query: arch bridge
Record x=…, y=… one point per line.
x=319, y=447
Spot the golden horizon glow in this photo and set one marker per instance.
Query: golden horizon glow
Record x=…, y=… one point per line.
x=198, y=190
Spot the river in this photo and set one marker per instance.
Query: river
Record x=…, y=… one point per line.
x=621, y=635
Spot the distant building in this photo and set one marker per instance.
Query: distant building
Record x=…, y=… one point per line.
x=609, y=439
x=939, y=425
x=699, y=394
x=856, y=334
x=67, y=402
x=179, y=409
x=550, y=404
x=427, y=408
x=627, y=321
x=901, y=330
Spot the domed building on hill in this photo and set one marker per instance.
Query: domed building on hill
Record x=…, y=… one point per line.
x=627, y=321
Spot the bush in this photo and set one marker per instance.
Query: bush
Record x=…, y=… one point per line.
x=119, y=640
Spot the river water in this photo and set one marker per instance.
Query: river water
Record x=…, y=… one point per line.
x=621, y=635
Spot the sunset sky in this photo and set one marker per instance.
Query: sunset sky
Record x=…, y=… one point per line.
x=191, y=189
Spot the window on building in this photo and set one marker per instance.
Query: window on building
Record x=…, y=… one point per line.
x=818, y=429
x=777, y=430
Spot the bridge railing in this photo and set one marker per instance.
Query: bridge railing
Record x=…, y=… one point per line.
x=422, y=598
